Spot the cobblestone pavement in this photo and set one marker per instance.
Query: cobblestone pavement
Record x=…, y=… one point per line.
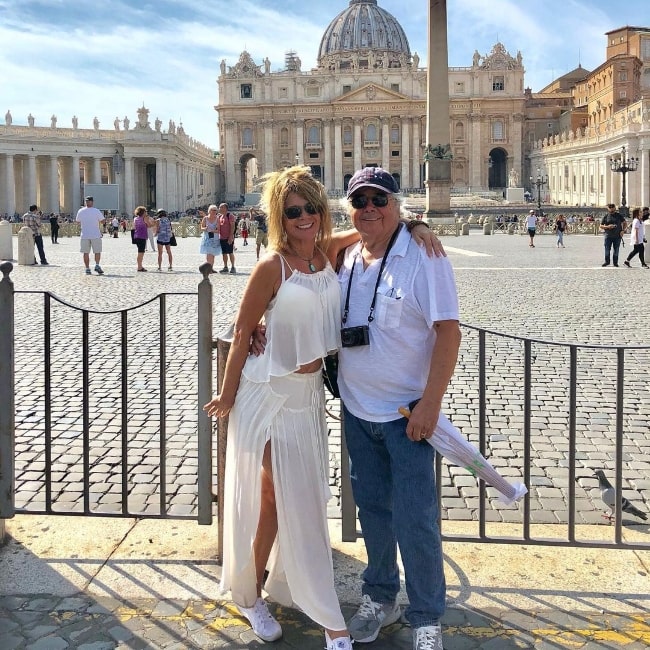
x=556, y=295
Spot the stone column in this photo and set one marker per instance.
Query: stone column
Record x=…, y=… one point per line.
x=385, y=143
x=644, y=172
x=97, y=170
x=129, y=199
x=10, y=186
x=300, y=142
x=75, y=185
x=406, y=152
x=160, y=182
x=170, y=183
x=327, y=154
x=30, y=187
x=268, y=145
x=231, y=161
x=357, y=144
x=416, y=155
x=478, y=168
x=438, y=170
x=338, y=155
x=54, y=194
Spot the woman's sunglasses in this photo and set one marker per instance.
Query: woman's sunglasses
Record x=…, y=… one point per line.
x=295, y=211
x=361, y=201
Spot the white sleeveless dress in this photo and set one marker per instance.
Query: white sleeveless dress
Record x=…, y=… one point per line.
x=275, y=403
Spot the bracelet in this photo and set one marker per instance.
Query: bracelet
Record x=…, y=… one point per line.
x=413, y=223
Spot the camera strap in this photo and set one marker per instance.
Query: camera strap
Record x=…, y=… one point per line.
x=346, y=307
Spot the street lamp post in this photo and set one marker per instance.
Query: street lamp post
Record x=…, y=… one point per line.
x=623, y=165
x=539, y=182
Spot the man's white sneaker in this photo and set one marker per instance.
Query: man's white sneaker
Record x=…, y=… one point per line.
x=428, y=637
x=365, y=625
x=341, y=643
x=262, y=621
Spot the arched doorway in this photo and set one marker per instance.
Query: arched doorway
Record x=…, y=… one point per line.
x=248, y=173
x=497, y=169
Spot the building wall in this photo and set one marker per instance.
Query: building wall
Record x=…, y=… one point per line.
x=49, y=166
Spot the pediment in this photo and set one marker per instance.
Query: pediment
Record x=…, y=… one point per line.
x=370, y=92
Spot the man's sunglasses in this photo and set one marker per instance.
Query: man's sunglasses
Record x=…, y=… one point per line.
x=361, y=201
x=295, y=211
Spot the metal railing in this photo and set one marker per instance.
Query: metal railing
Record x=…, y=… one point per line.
x=567, y=376
x=105, y=418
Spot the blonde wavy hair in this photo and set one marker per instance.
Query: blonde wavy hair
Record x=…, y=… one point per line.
x=277, y=187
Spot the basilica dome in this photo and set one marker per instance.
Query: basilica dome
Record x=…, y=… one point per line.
x=364, y=29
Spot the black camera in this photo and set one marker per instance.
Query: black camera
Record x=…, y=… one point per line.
x=352, y=337
x=211, y=235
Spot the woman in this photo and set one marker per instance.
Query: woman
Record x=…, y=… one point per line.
x=637, y=239
x=163, y=237
x=560, y=229
x=140, y=233
x=210, y=238
x=295, y=288
x=151, y=231
x=531, y=225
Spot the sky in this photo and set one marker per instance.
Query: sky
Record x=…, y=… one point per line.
x=106, y=59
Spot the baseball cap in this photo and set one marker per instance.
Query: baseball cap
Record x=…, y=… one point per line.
x=372, y=177
x=531, y=211
x=89, y=198
x=161, y=213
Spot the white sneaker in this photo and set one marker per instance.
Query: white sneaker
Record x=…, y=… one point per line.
x=428, y=637
x=341, y=643
x=365, y=625
x=262, y=621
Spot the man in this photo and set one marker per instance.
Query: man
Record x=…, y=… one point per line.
x=262, y=234
x=32, y=219
x=400, y=344
x=613, y=225
x=227, y=238
x=54, y=227
x=531, y=225
x=90, y=219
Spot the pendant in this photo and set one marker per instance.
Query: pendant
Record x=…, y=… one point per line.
x=312, y=268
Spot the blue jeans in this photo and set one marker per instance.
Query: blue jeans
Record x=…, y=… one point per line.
x=615, y=243
x=393, y=483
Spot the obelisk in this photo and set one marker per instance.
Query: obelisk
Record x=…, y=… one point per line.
x=437, y=153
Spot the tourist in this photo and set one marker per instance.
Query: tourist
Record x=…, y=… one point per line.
x=54, y=227
x=637, y=238
x=90, y=219
x=164, y=234
x=400, y=341
x=560, y=228
x=32, y=219
x=140, y=234
x=227, y=238
x=613, y=226
x=284, y=433
x=210, y=245
x=531, y=225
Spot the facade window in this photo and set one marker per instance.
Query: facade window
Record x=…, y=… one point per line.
x=395, y=87
x=283, y=93
x=395, y=154
x=459, y=132
x=313, y=154
x=371, y=134
x=284, y=138
x=347, y=89
x=347, y=154
x=498, y=83
x=622, y=94
x=313, y=136
x=312, y=91
x=347, y=135
x=645, y=49
x=247, y=138
x=394, y=134
x=246, y=91
x=497, y=130
x=459, y=87
x=622, y=75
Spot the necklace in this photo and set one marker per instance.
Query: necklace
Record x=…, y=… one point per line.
x=310, y=264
